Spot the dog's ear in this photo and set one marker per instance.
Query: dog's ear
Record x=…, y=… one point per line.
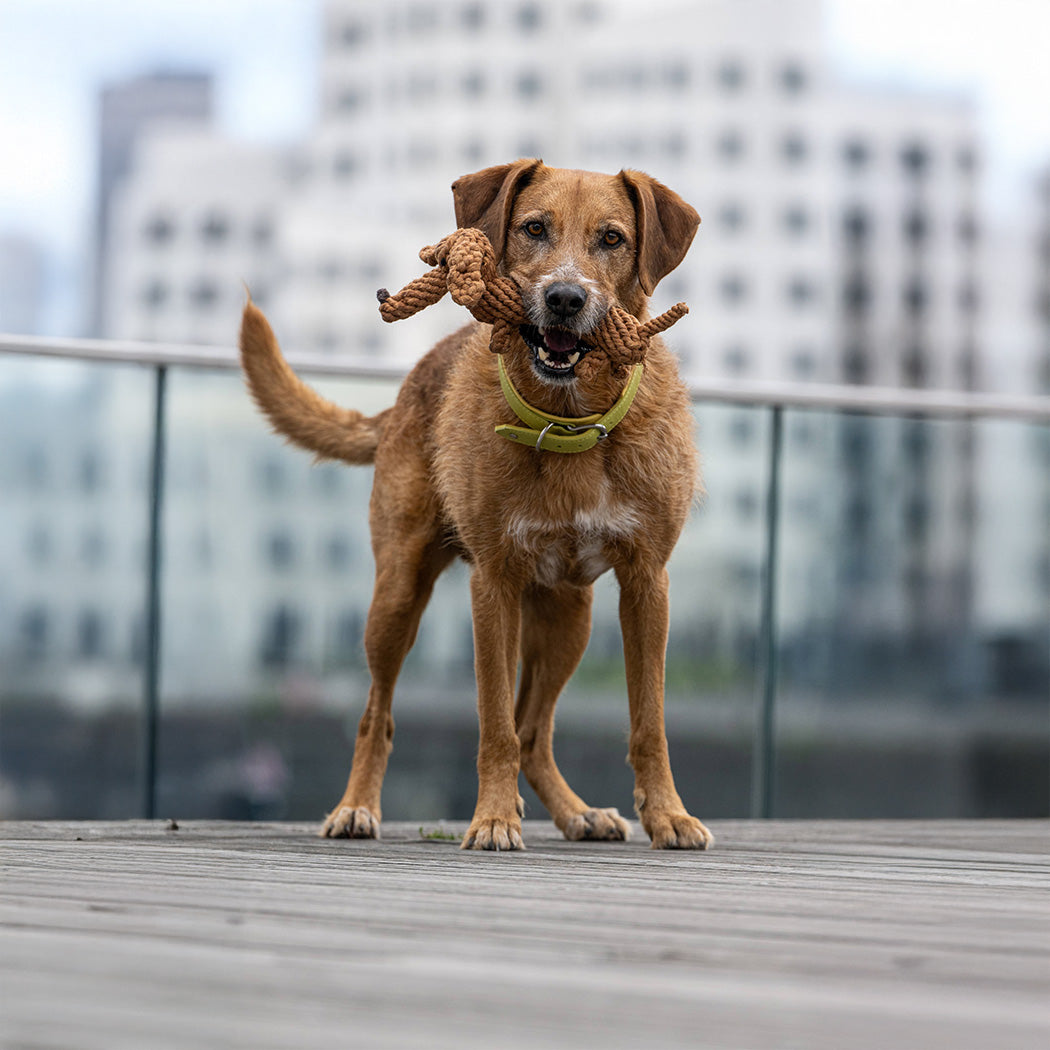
x=666, y=226
x=485, y=199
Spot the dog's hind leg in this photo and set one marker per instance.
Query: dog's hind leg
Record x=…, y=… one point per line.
x=405, y=576
x=556, y=625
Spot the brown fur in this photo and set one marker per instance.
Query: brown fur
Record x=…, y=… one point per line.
x=537, y=528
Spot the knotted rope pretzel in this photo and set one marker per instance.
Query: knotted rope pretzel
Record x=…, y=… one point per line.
x=465, y=267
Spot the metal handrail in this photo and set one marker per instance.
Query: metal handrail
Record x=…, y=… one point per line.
x=816, y=396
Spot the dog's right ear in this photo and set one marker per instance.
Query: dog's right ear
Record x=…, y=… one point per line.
x=485, y=199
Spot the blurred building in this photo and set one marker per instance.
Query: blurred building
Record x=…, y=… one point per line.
x=22, y=283
x=127, y=111
x=842, y=241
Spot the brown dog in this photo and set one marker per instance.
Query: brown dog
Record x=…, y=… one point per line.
x=537, y=527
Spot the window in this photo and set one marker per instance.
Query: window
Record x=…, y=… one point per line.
x=733, y=289
x=473, y=83
x=915, y=366
x=280, y=550
x=803, y=363
x=215, y=229
x=731, y=217
x=160, y=230
x=529, y=85
x=915, y=159
x=916, y=297
x=916, y=227
x=801, y=291
x=966, y=228
x=856, y=153
x=93, y=548
x=793, y=78
x=856, y=225
x=280, y=637
x=736, y=360
x=337, y=553
x=89, y=634
x=794, y=148
x=730, y=146
x=352, y=34
x=35, y=631
x=204, y=293
x=856, y=294
x=855, y=365
x=796, y=220
x=530, y=18
x=40, y=545
x=89, y=471
x=155, y=294
x=730, y=76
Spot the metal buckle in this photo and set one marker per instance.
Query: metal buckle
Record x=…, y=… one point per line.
x=572, y=428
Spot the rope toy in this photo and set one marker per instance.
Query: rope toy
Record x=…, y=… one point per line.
x=464, y=265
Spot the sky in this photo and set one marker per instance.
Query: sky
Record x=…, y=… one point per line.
x=55, y=54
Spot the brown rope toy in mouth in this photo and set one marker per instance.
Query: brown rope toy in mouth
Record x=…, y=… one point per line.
x=465, y=266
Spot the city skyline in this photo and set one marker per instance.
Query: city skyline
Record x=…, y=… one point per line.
x=264, y=57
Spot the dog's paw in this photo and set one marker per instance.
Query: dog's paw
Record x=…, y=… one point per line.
x=597, y=824
x=678, y=831
x=496, y=835
x=349, y=822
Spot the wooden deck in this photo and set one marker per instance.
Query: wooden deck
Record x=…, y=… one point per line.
x=806, y=935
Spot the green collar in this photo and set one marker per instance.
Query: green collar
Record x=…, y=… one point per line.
x=550, y=433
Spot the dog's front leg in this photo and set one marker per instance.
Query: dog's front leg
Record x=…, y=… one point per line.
x=496, y=602
x=644, y=613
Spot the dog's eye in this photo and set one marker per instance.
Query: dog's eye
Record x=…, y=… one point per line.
x=535, y=228
x=611, y=238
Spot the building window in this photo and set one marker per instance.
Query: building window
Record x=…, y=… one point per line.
x=793, y=78
x=676, y=76
x=281, y=632
x=344, y=165
x=731, y=217
x=155, y=295
x=856, y=294
x=529, y=86
x=966, y=229
x=93, y=548
x=736, y=360
x=801, y=291
x=915, y=159
x=796, y=220
x=855, y=365
x=916, y=297
x=280, y=550
x=215, y=229
x=352, y=34
x=966, y=158
x=472, y=17
x=337, y=553
x=90, y=632
x=733, y=288
x=794, y=148
x=856, y=225
x=969, y=299
x=730, y=146
x=730, y=75
x=160, y=230
x=915, y=366
x=916, y=227
x=856, y=153
x=40, y=545
x=530, y=17
x=35, y=632
x=803, y=364
x=473, y=83
x=204, y=293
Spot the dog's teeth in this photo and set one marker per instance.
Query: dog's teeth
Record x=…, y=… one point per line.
x=573, y=358
x=544, y=356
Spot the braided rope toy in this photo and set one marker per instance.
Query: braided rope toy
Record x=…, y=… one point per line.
x=464, y=265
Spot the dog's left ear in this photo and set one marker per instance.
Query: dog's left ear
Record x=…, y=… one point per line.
x=666, y=226
x=485, y=199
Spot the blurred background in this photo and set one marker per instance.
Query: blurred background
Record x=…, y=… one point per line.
x=874, y=183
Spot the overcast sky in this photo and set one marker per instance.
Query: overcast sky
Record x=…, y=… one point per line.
x=54, y=54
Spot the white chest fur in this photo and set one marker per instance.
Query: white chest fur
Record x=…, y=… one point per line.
x=574, y=549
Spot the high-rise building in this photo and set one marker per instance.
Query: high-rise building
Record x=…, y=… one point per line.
x=22, y=283
x=127, y=110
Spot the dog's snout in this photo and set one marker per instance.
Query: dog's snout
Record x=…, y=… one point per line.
x=565, y=298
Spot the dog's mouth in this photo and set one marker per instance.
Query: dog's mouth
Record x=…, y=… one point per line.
x=555, y=351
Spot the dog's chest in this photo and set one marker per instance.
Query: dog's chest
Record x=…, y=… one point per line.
x=572, y=546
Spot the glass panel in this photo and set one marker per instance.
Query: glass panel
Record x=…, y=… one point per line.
x=74, y=467
x=267, y=585
x=914, y=611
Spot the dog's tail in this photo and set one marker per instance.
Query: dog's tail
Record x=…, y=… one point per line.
x=295, y=411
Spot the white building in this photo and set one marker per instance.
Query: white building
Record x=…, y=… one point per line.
x=841, y=241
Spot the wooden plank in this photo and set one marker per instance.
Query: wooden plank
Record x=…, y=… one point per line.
x=807, y=934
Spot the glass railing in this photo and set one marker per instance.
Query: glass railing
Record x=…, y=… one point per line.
x=860, y=606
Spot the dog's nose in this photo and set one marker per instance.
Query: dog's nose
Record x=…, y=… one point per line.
x=565, y=299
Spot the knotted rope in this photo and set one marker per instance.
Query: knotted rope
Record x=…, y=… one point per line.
x=465, y=267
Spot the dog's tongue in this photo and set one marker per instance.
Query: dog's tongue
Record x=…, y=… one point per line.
x=560, y=341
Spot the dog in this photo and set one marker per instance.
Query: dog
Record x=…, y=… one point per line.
x=537, y=527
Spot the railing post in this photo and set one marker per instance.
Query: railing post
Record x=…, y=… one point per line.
x=763, y=753
x=151, y=670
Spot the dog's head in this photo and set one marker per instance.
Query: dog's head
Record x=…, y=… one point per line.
x=576, y=243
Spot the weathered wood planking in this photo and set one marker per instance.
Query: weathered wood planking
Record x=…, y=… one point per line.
x=810, y=935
